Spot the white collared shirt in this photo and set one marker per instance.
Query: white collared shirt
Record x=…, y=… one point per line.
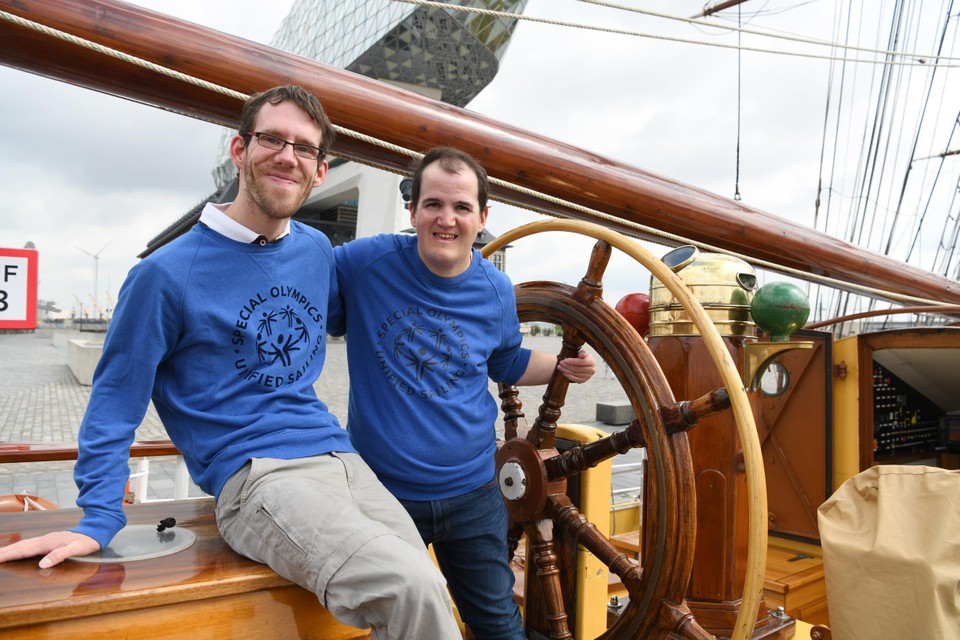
x=214, y=217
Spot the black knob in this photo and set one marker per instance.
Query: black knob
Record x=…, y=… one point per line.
x=166, y=523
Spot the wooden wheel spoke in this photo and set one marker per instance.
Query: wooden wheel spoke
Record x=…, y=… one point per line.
x=565, y=514
x=821, y=632
x=543, y=432
x=540, y=534
x=678, y=619
x=684, y=415
x=591, y=285
x=584, y=456
x=514, y=422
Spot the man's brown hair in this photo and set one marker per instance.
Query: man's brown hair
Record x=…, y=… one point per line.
x=451, y=160
x=297, y=94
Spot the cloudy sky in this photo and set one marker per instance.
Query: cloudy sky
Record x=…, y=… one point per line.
x=84, y=173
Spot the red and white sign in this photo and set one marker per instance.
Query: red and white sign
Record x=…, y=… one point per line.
x=18, y=288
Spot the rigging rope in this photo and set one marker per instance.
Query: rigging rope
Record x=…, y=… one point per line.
x=919, y=59
x=817, y=305
x=947, y=246
x=736, y=182
x=869, y=143
x=740, y=29
x=636, y=228
x=926, y=207
x=913, y=153
x=901, y=131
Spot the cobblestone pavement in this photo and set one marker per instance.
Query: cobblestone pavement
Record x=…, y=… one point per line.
x=41, y=401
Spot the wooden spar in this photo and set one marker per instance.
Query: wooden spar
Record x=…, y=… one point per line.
x=720, y=6
x=412, y=121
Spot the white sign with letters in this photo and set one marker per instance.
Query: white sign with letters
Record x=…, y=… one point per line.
x=18, y=288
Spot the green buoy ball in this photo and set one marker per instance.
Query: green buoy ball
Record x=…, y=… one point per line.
x=780, y=308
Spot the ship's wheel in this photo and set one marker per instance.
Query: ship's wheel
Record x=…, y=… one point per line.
x=533, y=474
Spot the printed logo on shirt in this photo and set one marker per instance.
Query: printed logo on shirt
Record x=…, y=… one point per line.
x=276, y=337
x=422, y=352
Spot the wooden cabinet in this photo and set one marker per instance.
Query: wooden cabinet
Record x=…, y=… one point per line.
x=884, y=382
x=908, y=380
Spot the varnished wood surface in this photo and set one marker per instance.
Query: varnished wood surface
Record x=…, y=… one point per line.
x=205, y=591
x=50, y=451
x=795, y=430
x=719, y=571
x=796, y=582
x=415, y=122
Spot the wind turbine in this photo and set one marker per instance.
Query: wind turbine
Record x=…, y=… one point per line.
x=96, y=271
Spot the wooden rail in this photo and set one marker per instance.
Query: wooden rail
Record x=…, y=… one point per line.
x=55, y=451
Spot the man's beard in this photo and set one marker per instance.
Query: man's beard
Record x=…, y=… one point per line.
x=258, y=186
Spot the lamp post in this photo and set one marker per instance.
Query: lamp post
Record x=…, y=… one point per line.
x=96, y=273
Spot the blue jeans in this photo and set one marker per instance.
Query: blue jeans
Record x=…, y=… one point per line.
x=469, y=538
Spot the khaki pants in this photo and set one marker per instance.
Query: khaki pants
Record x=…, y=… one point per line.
x=327, y=524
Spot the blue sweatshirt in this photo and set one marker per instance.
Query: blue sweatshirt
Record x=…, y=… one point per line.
x=421, y=349
x=227, y=338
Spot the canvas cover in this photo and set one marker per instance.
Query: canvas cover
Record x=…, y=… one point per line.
x=891, y=554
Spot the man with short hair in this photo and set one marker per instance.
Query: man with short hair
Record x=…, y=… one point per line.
x=428, y=322
x=225, y=328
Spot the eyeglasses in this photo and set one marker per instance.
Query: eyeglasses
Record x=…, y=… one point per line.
x=274, y=143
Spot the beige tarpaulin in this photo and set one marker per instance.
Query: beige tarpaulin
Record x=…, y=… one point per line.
x=891, y=554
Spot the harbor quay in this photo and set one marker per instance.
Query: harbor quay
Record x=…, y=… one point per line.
x=42, y=401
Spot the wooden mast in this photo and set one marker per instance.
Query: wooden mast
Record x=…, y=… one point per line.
x=412, y=121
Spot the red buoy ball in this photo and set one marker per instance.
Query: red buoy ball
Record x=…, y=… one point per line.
x=635, y=308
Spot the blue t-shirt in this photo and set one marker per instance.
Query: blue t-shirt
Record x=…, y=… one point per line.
x=421, y=349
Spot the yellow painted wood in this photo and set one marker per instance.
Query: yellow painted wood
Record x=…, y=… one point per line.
x=595, y=487
x=846, y=412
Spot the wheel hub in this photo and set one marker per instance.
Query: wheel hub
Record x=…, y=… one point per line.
x=522, y=478
x=513, y=481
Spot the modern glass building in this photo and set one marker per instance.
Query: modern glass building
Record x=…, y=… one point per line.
x=444, y=53
x=453, y=52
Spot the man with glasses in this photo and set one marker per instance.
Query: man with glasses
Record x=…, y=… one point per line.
x=225, y=329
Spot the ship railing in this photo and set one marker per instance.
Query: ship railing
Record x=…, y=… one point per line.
x=143, y=451
x=633, y=493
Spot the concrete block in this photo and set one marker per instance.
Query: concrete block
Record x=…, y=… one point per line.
x=82, y=358
x=615, y=413
x=62, y=337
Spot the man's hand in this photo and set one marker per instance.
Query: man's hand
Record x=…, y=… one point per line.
x=54, y=547
x=579, y=369
x=542, y=366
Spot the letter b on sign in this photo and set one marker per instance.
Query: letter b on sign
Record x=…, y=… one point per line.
x=18, y=288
